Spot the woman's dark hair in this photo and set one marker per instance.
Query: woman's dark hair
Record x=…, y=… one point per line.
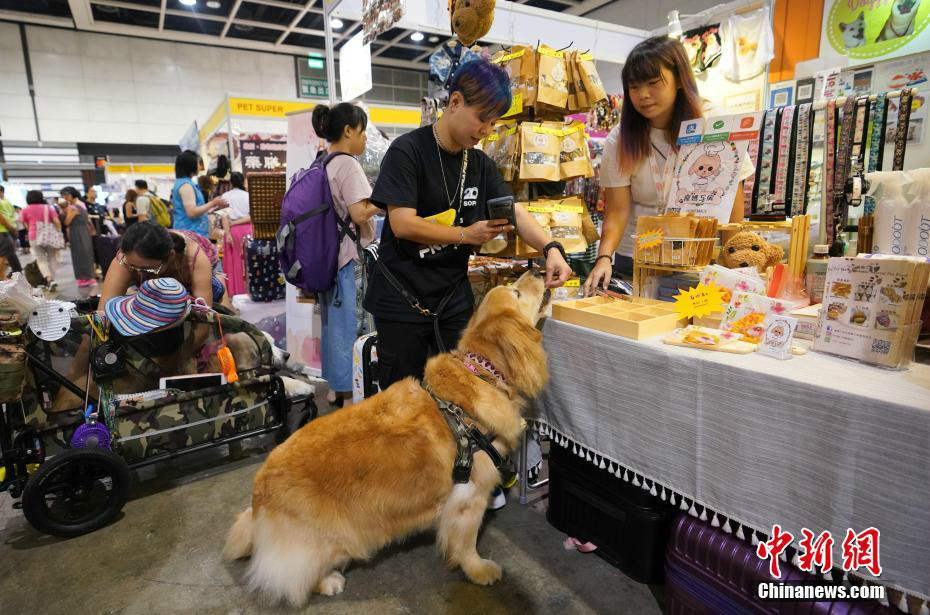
x=142, y=184
x=645, y=63
x=222, y=166
x=237, y=180
x=151, y=240
x=35, y=197
x=330, y=123
x=70, y=191
x=131, y=196
x=185, y=165
x=483, y=85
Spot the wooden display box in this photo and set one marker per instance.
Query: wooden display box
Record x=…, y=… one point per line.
x=636, y=318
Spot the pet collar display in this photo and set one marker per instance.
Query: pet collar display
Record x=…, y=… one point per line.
x=877, y=143
x=798, y=196
x=783, y=158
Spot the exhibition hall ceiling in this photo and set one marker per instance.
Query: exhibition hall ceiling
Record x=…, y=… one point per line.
x=287, y=26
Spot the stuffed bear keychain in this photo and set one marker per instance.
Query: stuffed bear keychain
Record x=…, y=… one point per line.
x=471, y=19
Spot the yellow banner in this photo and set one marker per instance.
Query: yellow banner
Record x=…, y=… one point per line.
x=148, y=169
x=280, y=108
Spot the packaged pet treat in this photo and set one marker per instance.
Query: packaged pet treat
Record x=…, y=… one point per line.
x=593, y=86
x=553, y=79
x=733, y=281
x=572, y=104
x=529, y=70
x=573, y=159
x=502, y=145
x=747, y=312
x=540, y=149
x=542, y=213
x=581, y=94
x=566, y=224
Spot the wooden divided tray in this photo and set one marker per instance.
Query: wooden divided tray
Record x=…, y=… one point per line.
x=636, y=318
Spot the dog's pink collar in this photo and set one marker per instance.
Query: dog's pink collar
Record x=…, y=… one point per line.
x=473, y=361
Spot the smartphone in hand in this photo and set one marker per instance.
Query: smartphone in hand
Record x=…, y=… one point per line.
x=502, y=208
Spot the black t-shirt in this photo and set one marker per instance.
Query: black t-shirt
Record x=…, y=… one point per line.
x=410, y=177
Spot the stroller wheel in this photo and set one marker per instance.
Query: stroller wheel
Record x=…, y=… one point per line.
x=76, y=492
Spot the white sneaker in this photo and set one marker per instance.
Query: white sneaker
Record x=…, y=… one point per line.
x=498, y=499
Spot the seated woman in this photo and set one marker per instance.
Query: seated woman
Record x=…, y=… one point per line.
x=148, y=250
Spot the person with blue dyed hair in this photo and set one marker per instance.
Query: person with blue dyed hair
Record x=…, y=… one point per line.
x=426, y=172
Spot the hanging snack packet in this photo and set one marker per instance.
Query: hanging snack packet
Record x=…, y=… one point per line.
x=529, y=63
x=542, y=213
x=581, y=93
x=572, y=104
x=592, y=81
x=539, y=159
x=566, y=224
x=553, y=80
x=506, y=152
x=574, y=160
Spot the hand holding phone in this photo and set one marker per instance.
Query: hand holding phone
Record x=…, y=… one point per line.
x=502, y=208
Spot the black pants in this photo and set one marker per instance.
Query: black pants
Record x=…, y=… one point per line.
x=8, y=251
x=404, y=347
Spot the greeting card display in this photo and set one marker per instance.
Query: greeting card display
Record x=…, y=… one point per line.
x=707, y=168
x=871, y=308
x=746, y=314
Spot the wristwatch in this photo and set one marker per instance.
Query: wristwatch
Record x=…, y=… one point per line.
x=556, y=245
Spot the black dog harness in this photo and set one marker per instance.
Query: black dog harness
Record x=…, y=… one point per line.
x=468, y=439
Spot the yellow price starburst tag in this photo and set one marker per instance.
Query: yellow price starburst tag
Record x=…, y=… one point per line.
x=650, y=239
x=704, y=300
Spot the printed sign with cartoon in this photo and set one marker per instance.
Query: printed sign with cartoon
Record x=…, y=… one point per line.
x=707, y=168
x=869, y=30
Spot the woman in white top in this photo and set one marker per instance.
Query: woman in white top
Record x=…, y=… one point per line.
x=659, y=94
x=236, y=226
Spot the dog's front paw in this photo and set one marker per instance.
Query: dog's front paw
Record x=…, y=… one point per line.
x=485, y=572
x=332, y=584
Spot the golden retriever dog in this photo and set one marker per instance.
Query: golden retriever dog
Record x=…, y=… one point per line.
x=349, y=483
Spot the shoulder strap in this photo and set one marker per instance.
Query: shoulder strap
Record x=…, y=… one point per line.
x=345, y=224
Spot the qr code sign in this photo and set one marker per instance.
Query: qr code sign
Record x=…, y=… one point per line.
x=881, y=346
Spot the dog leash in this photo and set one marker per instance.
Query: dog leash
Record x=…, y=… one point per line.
x=829, y=167
x=767, y=147
x=876, y=144
x=900, y=137
x=802, y=163
x=783, y=157
x=836, y=217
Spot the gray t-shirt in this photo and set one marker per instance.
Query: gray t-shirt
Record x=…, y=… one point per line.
x=144, y=206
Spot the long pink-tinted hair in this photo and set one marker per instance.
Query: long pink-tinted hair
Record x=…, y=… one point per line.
x=645, y=63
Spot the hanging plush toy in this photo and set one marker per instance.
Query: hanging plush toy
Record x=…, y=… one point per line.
x=471, y=19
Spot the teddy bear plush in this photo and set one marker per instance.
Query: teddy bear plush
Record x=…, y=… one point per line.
x=747, y=249
x=471, y=19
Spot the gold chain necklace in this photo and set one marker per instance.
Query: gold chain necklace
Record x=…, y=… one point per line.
x=461, y=188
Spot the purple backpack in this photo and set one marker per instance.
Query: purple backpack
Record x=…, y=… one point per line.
x=311, y=230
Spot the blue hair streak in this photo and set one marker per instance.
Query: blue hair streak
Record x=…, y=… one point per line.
x=483, y=85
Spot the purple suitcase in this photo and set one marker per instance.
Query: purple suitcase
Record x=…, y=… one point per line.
x=710, y=571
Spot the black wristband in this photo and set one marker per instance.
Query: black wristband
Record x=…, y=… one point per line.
x=610, y=256
x=556, y=245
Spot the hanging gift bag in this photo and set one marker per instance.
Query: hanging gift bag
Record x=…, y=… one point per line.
x=553, y=79
x=592, y=81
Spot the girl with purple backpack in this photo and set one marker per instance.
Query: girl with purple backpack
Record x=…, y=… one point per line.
x=343, y=126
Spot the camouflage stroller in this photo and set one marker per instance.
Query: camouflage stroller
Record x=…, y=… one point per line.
x=72, y=471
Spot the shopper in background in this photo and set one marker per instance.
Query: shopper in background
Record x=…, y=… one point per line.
x=38, y=210
x=190, y=207
x=8, y=233
x=80, y=233
x=236, y=226
x=143, y=201
x=343, y=126
x=130, y=210
x=660, y=93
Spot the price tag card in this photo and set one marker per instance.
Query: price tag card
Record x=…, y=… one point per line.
x=704, y=300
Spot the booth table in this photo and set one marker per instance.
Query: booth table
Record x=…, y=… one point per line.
x=815, y=441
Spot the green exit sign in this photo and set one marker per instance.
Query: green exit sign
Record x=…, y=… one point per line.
x=315, y=61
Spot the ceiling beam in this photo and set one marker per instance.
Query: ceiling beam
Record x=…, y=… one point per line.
x=81, y=13
x=277, y=3
x=161, y=15
x=39, y=20
x=229, y=20
x=587, y=6
x=297, y=18
x=390, y=44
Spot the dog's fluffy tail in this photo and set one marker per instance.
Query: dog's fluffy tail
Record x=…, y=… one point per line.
x=239, y=540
